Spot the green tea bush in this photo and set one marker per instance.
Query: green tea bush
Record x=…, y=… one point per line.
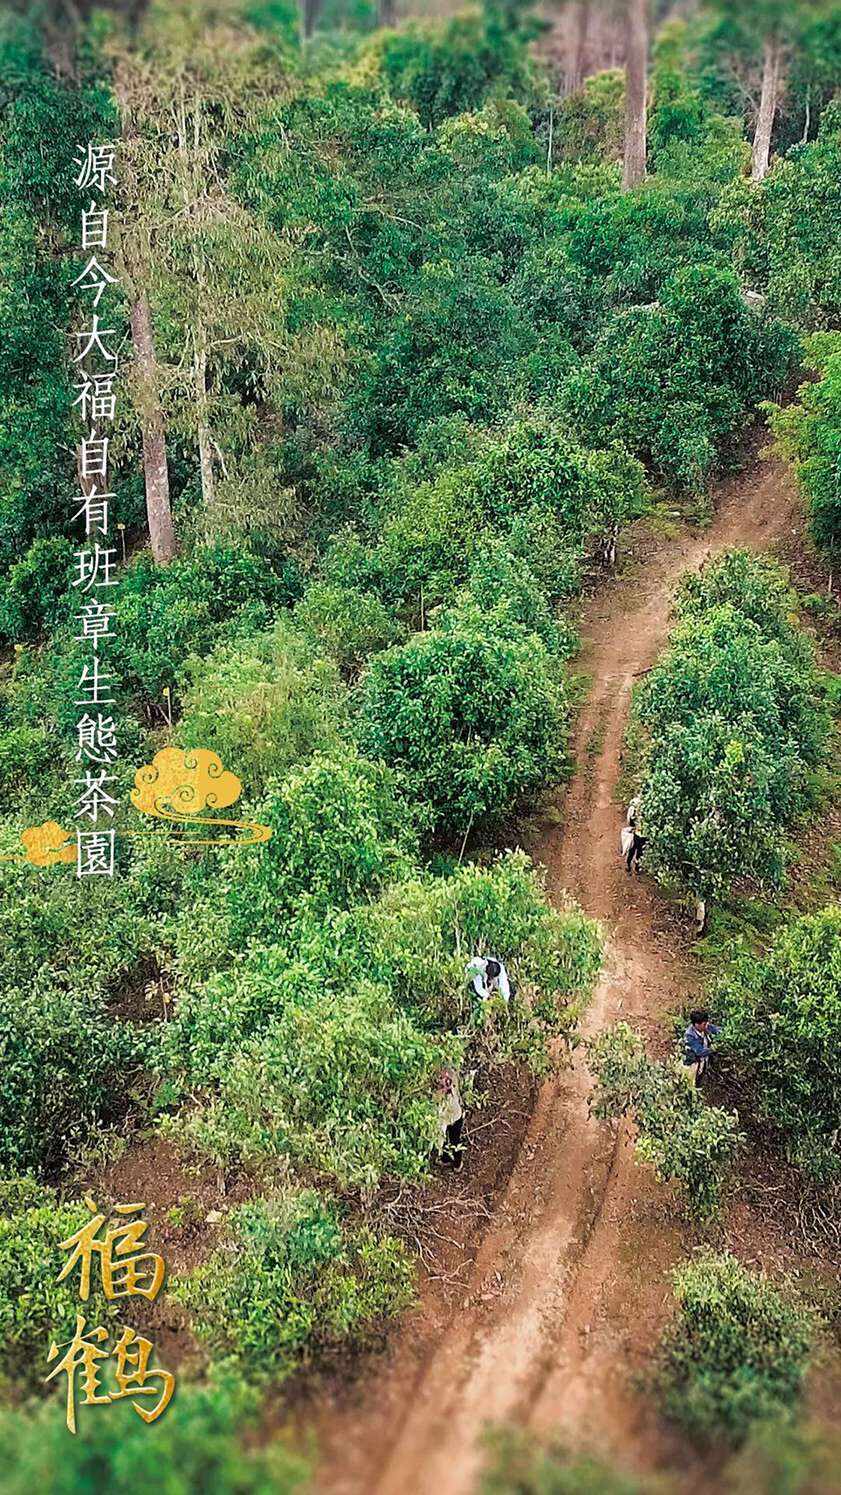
x=165, y=614
x=263, y=704
x=790, y=255
x=445, y=68
x=65, y=1067
x=338, y=1083
x=321, y=1285
x=339, y=834
x=26, y=756
x=517, y=1464
x=685, y=1140
x=324, y=1049
x=736, y=728
x=206, y=1441
x=473, y=720
x=809, y=432
x=347, y=624
x=781, y=1014
x=786, y=1459
x=34, y=1307
x=737, y=1352
x=420, y=934
x=36, y=591
x=675, y=380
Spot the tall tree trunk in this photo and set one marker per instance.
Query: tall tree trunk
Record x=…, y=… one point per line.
x=202, y=420
x=636, y=87
x=386, y=12
x=310, y=12
x=578, y=44
x=772, y=58
x=155, y=468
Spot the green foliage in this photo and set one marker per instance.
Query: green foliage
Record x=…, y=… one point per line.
x=338, y=1082
x=163, y=615
x=325, y=1049
x=65, y=1066
x=674, y=380
x=205, y=1441
x=263, y=703
x=781, y=1019
x=448, y=68
x=793, y=254
x=736, y=1353
x=26, y=755
x=347, y=624
x=736, y=727
x=35, y=591
x=809, y=432
x=684, y=1139
x=786, y=1459
x=473, y=720
x=519, y=1465
x=591, y=120
x=319, y=1285
x=35, y=1308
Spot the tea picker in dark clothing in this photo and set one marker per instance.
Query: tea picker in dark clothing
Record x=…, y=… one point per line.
x=696, y=1043
x=633, y=840
x=450, y=1119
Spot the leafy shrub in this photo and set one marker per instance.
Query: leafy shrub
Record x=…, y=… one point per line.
x=26, y=755
x=164, y=614
x=753, y=585
x=263, y=704
x=339, y=833
x=505, y=589
x=517, y=1464
x=338, y=1083
x=34, y=1307
x=685, y=1140
x=786, y=1459
x=474, y=721
x=782, y=1017
x=791, y=255
x=203, y=1443
x=674, y=380
x=737, y=1352
x=808, y=433
x=591, y=120
x=64, y=1067
x=347, y=623
x=444, y=68
x=736, y=727
x=325, y=1049
x=419, y=934
x=321, y=1285
x=35, y=592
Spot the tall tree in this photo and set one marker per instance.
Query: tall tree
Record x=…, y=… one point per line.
x=136, y=268
x=310, y=12
x=578, y=45
x=772, y=64
x=636, y=90
x=206, y=275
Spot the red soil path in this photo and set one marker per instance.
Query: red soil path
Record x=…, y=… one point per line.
x=568, y=1288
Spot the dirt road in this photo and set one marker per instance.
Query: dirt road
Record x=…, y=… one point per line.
x=568, y=1287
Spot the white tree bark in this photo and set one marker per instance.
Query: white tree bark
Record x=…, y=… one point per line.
x=636, y=88
x=772, y=58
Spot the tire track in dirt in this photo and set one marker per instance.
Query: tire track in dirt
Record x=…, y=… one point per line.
x=568, y=1288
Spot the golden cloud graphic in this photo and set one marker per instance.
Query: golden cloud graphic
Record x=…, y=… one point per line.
x=182, y=784
x=45, y=845
x=179, y=783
